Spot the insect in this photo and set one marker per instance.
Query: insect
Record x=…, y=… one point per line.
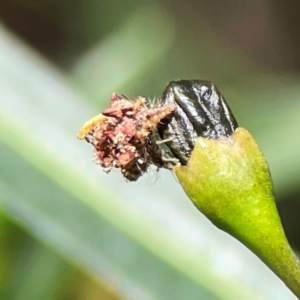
x=201, y=111
x=123, y=136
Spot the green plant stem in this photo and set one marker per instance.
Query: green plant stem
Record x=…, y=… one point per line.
x=229, y=181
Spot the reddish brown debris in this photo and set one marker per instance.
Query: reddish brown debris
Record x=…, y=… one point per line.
x=123, y=136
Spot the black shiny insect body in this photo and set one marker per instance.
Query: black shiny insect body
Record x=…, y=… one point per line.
x=201, y=111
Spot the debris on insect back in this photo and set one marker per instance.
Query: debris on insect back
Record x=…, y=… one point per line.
x=123, y=136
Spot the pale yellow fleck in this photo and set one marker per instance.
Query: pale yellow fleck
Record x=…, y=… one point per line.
x=90, y=125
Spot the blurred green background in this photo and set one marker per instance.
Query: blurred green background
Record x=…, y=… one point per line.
x=69, y=231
